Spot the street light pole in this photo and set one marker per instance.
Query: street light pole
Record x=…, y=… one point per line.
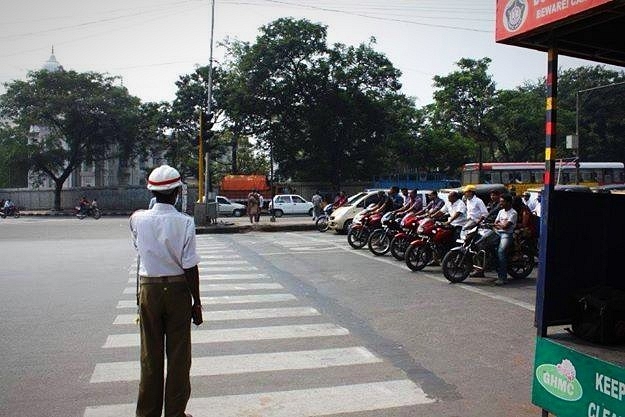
x=207, y=186
x=273, y=217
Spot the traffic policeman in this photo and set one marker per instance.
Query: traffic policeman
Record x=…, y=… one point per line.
x=169, y=297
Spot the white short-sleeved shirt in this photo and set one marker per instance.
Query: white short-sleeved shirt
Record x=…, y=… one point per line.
x=451, y=209
x=510, y=216
x=476, y=209
x=165, y=241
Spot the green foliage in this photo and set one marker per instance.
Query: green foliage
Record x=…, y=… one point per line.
x=13, y=157
x=329, y=113
x=84, y=118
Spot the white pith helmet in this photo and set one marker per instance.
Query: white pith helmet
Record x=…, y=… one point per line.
x=164, y=178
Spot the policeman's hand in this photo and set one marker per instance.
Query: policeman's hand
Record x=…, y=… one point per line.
x=196, y=314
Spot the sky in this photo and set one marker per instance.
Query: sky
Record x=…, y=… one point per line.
x=150, y=43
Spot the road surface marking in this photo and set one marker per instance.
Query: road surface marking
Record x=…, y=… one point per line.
x=249, y=314
x=253, y=298
x=228, y=287
x=241, y=334
x=218, y=277
x=306, y=402
x=249, y=363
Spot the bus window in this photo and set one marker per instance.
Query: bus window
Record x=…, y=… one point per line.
x=525, y=176
x=566, y=178
x=487, y=178
x=495, y=177
x=505, y=177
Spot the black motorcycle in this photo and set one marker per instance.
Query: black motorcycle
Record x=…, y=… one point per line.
x=12, y=211
x=478, y=253
x=380, y=239
x=89, y=211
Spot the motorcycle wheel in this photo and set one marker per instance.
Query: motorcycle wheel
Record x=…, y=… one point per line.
x=379, y=242
x=97, y=214
x=357, y=239
x=16, y=214
x=521, y=266
x=398, y=247
x=417, y=257
x=322, y=224
x=455, y=266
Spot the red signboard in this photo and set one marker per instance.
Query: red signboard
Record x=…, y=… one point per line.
x=515, y=17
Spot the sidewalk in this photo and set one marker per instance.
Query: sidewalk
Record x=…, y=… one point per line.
x=223, y=225
x=243, y=225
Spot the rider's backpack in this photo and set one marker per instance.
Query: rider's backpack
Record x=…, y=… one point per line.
x=600, y=316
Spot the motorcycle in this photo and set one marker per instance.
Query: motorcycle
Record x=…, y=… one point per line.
x=400, y=242
x=323, y=221
x=360, y=229
x=90, y=211
x=434, y=240
x=12, y=211
x=380, y=239
x=478, y=252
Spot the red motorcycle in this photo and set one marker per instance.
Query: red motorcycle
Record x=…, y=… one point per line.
x=360, y=231
x=434, y=241
x=401, y=240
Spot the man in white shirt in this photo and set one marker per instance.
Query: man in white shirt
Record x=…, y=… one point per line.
x=476, y=209
x=169, y=281
x=529, y=202
x=504, y=226
x=457, y=211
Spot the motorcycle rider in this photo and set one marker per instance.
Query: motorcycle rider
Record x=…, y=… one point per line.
x=8, y=207
x=504, y=227
x=413, y=204
x=435, y=204
x=389, y=201
x=476, y=209
x=83, y=205
x=457, y=211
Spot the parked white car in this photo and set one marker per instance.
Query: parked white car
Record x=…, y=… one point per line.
x=342, y=217
x=290, y=204
x=229, y=208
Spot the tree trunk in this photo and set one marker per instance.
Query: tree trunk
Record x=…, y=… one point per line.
x=58, y=186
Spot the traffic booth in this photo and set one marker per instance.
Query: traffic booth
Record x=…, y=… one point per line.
x=581, y=234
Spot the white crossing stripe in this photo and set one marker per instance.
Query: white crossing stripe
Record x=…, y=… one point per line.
x=305, y=402
x=222, y=262
x=240, y=364
x=228, y=287
x=228, y=299
x=127, y=304
x=204, y=257
x=226, y=268
x=242, y=286
x=255, y=298
x=218, y=277
x=241, y=334
x=249, y=314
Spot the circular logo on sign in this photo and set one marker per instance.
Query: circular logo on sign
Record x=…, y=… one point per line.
x=514, y=14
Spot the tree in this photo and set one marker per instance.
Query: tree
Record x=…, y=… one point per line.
x=328, y=113
x=85, y=116
x=464, y=99
x=13, y=157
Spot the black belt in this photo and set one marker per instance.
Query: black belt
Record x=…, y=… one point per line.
x=162, y=280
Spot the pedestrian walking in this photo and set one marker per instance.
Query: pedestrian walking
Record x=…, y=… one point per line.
x=168, y=297
x=253, y=205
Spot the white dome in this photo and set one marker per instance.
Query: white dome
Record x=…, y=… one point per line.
x=52, y=64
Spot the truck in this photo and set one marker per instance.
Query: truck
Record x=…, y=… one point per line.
x=237, y=187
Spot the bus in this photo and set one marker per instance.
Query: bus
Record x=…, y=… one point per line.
x=422, y=180
x=519, y=176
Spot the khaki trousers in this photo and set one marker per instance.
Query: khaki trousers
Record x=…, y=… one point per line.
x=165, y=318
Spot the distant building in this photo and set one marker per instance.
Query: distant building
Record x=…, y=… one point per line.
x=109, y=173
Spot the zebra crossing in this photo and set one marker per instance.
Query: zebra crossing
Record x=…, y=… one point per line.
x=254, y=325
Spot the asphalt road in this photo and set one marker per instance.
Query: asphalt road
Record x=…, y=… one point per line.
x=297, y=323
